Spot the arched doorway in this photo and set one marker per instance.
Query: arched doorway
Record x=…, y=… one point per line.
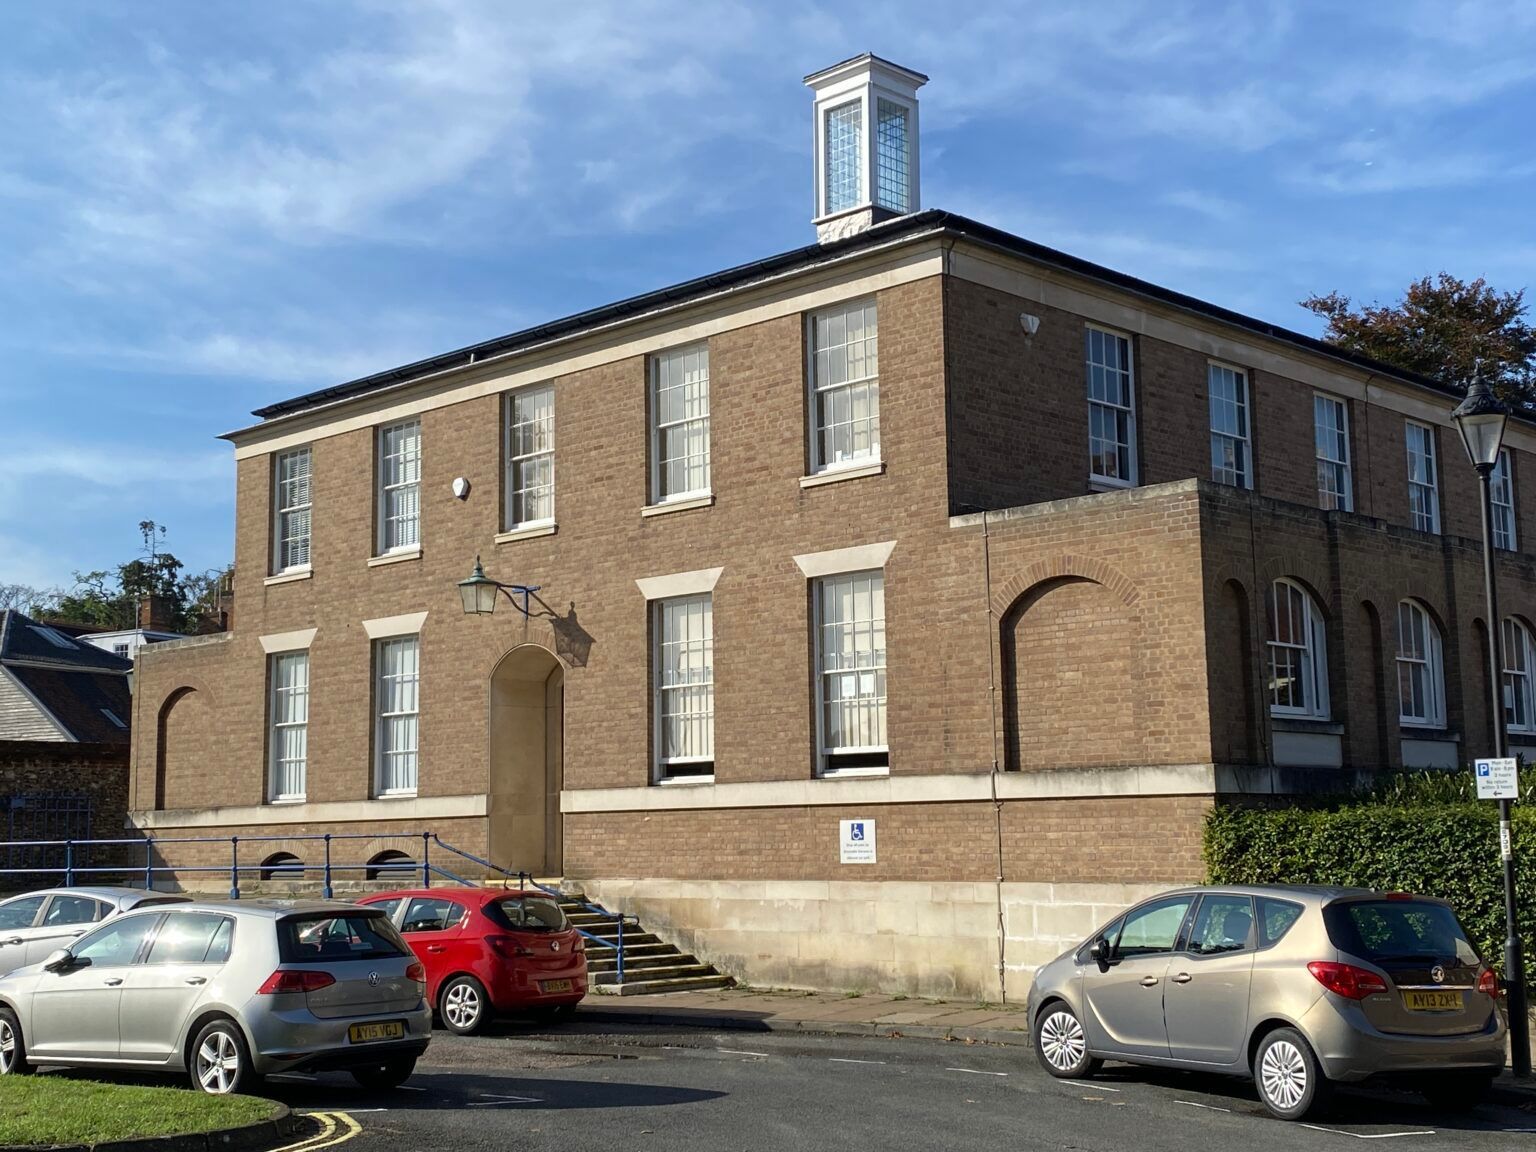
x=527, y=734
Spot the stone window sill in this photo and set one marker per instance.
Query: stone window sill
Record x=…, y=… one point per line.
x=532, y=532
x=1304, y=724
x=395, y=557
x=289, y=577
x=684, y=505
x=833, y=475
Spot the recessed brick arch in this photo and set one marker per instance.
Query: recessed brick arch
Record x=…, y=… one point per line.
x=1313, y=577
x=1065, y=567
x=185, y=709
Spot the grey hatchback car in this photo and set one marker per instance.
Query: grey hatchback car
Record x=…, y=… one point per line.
x=227, y=992
x=36, y=923
x=1300, y=988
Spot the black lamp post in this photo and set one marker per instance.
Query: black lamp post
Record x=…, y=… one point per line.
x=479, y=592
x=1480, y=419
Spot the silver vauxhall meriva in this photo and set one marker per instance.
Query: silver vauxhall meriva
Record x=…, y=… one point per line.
x=226, y=992
x=1297, y=987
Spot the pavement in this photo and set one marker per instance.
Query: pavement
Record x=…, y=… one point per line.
x=845, y=1014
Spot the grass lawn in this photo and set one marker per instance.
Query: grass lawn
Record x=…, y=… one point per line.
x=66, y=1109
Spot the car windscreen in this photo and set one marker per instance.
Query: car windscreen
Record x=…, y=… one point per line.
x=353, y=935
x=528, y=914
x=1388, y=932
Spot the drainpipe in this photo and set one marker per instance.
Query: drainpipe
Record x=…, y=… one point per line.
x=997, y=806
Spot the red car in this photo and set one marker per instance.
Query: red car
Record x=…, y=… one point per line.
x=489, y=951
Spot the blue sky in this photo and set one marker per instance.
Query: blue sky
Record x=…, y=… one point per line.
x=208, y=206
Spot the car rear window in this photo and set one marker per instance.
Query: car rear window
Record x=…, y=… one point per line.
x=528, y=914
x=1389, y=931
x=355, y=935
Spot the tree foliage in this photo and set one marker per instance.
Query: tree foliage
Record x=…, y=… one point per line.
x=1442, y=328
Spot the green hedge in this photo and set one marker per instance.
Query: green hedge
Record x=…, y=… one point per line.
x=1450, y=850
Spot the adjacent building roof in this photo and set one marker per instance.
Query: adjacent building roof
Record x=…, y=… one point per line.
x=933, y=222
x=56, y=687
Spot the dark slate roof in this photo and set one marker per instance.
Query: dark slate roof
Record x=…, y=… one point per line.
x=73, y=680
x=931, y=222
x=79, y=701
x=22, y=638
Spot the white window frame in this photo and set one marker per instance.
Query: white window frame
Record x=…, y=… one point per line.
x=825, y=757
x=1416, y=519
x=1345, y=500
x=384, y=486
x=659, y=494
x=510, y=424
x=814, y=389
x=282, y=512
x=1243, y=403
x=1517, y=677
x=864, y=189
x=381, y=717
x=277, y=727
x=1426, y=656
x=1132, y=464
x=1501, y=489
x=681, y=769
x=1314, y=655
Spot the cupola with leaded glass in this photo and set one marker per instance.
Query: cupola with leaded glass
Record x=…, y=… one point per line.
x=866, y=144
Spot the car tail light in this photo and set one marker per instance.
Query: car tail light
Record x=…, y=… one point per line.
x=1346, y=980
x=1488, y=982
x=508, y=946
x=417, y=972
x=295, y=980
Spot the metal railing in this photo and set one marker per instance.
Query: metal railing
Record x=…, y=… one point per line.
x=77, y=854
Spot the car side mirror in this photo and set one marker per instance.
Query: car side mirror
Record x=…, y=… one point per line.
x=60, y=960
x=1099, y=950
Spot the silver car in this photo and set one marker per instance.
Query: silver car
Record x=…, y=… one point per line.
x=226, y=991
x=36, y=924
x=1300, y=988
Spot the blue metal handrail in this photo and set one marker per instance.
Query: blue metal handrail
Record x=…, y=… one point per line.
x=328, y=867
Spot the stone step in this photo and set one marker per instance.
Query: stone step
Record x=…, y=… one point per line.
x=634, y=963
x=671, y=984
x=606, y=951
x=632, y=937
x=676, y=971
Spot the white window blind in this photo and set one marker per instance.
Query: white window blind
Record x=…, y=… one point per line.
x=685, y=687
x=397, y=701
x=291, y=498
x=400, y=487
x=288, y=741
x=680, y=423
x=845, y=386
x=531, y=457
x=851, y=677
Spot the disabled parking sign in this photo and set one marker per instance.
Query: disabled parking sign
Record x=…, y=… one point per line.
x=1497, y=779
x=858, y=841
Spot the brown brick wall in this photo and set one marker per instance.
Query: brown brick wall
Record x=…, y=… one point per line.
x=97, y=771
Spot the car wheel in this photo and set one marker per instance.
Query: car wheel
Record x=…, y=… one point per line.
x=1290, y=1081
x=385, y=1074
x=463, y=1005
x=1454, y=1092
x=221, y=1062
x=1061, y=1045
x=13, y=1050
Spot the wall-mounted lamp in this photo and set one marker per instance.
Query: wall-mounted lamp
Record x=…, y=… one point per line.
x=478, y=593
x=1030, y=324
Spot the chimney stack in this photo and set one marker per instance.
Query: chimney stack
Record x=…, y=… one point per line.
x=157, y=613
x=866, y=144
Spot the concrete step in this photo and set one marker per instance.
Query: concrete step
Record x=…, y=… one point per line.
x=598, y=951
x=632, y=937
x=641, y=963
x=669, y=971
x=674, y=984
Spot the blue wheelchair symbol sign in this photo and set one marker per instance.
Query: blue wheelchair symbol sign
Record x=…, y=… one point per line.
x=856, y=830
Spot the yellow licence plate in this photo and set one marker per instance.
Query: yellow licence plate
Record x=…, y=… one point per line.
x=555, y=985
x=1433, y=1001
x=369, y=1033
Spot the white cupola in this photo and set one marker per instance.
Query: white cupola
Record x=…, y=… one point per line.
x=866, y=144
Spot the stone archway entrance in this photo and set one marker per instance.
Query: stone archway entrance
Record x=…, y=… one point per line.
x=527, y=747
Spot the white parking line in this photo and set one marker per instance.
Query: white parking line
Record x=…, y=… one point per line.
x=1369, y=1135
x=408, y=1088
x=491, y=1100
x=846, y=1060
x=975, y=1071
x=739, y=1052
x=1106, y=1088
x=1196, y=1104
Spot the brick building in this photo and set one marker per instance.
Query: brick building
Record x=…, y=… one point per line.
x=1021, y=561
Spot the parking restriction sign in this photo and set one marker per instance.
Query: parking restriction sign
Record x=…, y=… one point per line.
x=1497, y=779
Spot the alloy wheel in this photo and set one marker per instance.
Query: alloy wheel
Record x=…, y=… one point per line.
x=1062, y=1041
x=218, y=1063
x=7, y=1048
x=461, y=1007
x=1283, y=1074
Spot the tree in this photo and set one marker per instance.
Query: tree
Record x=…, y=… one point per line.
x=1442, y=328
x=103, y=599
